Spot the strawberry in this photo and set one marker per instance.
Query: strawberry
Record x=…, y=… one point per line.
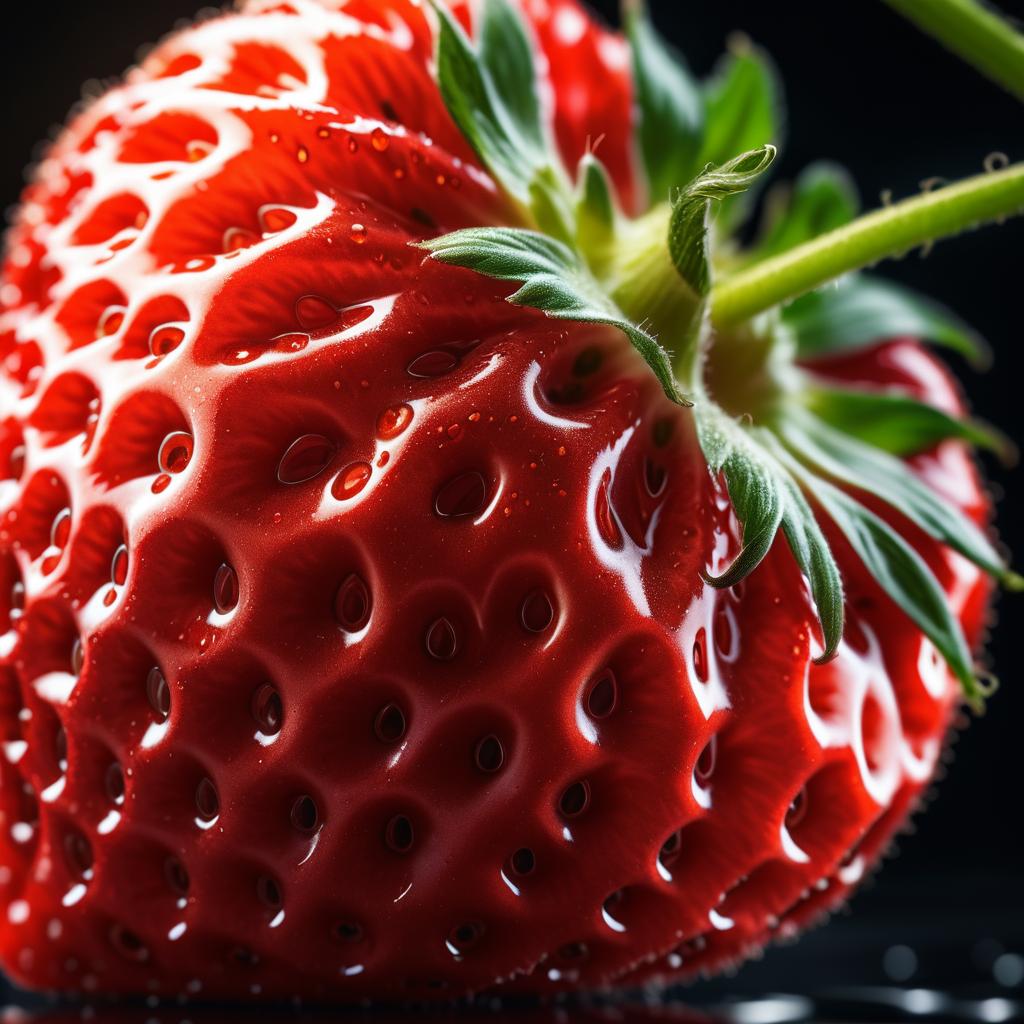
x=386, y=613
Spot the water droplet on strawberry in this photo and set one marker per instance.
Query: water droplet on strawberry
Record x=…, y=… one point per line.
x=463, y=495
x=110, y=321
x=176, y=451
x=236, y=239
x=441, y=640
x=306, y=457
x=393, y=421
x=17, y=600
x=119, y=566
x=379, y=140
x=705, y=767
x=273, y=218
x=60, y=531
x=225, y=588
x=77, y=657
x=314, y=313
x=655, y=478
x=353, y=604
x=351, y=480
x=158, y=693
x=358, y=233
x=292, y=342
x=267, y=709
x=607, y=525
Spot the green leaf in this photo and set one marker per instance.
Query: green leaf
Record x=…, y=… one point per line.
x=491, y=94
x=765, y=497
x=895, y=422
x=823, y=197
x=553, y=279
x=903, y=575
x=670, y=106
x=688, y=226
x=743, y=101
x=858, y=465
x=861, y=310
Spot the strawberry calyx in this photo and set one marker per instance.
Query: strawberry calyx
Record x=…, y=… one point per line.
x=795, y=455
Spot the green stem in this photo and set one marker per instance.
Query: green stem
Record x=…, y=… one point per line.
x=980, y=36
x=886, y=232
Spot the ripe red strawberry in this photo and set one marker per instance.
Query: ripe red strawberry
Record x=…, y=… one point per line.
x=367, y=634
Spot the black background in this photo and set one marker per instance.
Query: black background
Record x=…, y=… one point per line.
x=864, y=89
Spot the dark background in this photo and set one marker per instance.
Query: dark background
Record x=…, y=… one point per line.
x=866, y=90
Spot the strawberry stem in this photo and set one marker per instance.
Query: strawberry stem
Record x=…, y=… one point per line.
x=975, y=33
x=883, y=233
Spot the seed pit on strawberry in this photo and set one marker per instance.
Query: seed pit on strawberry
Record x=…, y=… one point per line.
x=65, y=408
x=389, y=724
x=602, y=694
x=305, y=814
x=115, y=783
x=82, y=314
x=166, y=137
x=207, y=803
x=158, y=693
x=353, y=604
x=536, y=612
x=307, y=457
x=269, y=892
x=464, y=937
x=441, y=640
x=267, y=709
x=399, y=835
x=489, y=755
x=225, y=589
x=575, y=799
x=122, y=212
x=137, y=430
x=44, y=502
x=523, y=861
x=348, y=931
x=462, y=496
x=176, y=876
x=78, y=854
x=128, y=944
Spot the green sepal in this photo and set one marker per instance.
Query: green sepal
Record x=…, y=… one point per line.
x=553, y=279
x=823, y=197
x=670, y=107
x=860, y=311
x=766, y=497
x=491, y=94
x=596, y=213
x=688, y=226
x=904, y=576
x=896, y=422
x=857, y=465
x=743, y=111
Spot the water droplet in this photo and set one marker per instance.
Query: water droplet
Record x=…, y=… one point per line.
x=161, y=483
x=353, y=604
x=275, y=219
x=207, y=800
x=292, y=342
x=603, y=694
x=351, y=480
x=700, y=655
x=398, y=834
x=463, y=495
x=110, y=322
x=314, y=313
x=574, y=800
x=305, y=814
x=536, y=612
x=119, y=566
x=114, y=783
x=607, y=525
x=379, y=140
x=393, y=421
x=358, y=233
x=441, y=640
x=307, y=456
x=176, y=876
x=158, y=693
x=17, y=599
x=60, y=531
x=225, y=588
x=238, y=238
x=165, y=339
x=78, y=852
x=176, y=451
x=489, y=754
x=705, y=766
x=523, y=861
x=302, y=154
x=389, y=725
x=267, y=709
x=797, y=810
x=435, y=363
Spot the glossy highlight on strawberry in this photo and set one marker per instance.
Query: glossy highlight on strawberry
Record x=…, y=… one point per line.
x=358, y=627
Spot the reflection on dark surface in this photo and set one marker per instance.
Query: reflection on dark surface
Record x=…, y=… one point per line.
x=934, y=948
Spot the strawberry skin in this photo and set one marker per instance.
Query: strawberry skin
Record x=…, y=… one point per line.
x=354, y=636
